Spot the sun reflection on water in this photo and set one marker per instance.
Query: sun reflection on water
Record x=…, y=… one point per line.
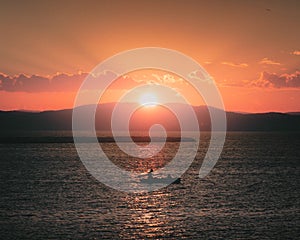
x=149, y=215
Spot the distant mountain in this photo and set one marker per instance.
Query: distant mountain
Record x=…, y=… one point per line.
x=293, y=113
x=143, y=119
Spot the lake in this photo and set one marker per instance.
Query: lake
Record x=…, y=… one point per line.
x=252, y=193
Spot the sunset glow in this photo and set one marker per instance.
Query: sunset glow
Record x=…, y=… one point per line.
x=46, y=52
x=148, y=100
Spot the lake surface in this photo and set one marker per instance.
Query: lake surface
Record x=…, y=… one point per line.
x=252, y=193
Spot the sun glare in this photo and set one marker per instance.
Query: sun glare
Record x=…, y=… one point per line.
x=148, y=100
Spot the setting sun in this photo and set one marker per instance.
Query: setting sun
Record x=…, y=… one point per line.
x=148, y=100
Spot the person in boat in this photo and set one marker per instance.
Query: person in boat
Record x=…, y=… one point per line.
x=150, y=176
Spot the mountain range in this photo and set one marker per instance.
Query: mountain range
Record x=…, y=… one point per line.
x=144, y=118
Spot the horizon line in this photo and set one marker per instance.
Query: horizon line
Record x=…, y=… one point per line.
x=107, y=103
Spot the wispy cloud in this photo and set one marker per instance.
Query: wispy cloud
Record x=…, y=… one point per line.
x=296, y=53
x=239, y=65
x=201, y=76
x=166, y=78
x=156, y=78
x=278, y=81
x=267, y=61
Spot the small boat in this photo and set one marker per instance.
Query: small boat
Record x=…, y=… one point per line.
x=167, y=180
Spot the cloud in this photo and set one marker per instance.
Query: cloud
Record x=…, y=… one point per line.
x=267, y=61
x=158, y=78
x=201, y=76
x=167, y=78
x=60, y=82
x=296, y=53
x=34, y=83
x=278, y=81
x=231, y=64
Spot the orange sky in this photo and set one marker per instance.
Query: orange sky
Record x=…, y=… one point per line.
x=250, y=48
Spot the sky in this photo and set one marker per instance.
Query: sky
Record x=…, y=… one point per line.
x=250, y=48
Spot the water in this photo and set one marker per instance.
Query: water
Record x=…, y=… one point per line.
x=252, y=193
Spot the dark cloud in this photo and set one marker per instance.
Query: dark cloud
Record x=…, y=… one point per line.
x=58, y=83
x=278, y=81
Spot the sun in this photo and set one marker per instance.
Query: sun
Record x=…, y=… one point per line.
x=148, y=100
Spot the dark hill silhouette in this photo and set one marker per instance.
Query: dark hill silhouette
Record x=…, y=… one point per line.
x=62, y=119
